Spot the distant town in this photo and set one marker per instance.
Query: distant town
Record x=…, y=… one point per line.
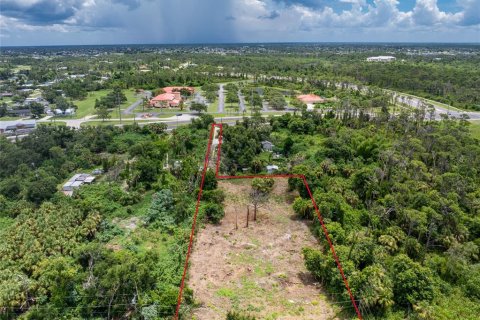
x=240, y=181
x=66, y=91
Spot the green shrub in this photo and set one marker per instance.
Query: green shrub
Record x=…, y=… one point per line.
x=161, y=210
x=214, y=212
x=215, y=196
x=232, y=315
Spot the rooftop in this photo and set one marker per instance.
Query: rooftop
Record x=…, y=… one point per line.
x=172, y=89
x=310, y=98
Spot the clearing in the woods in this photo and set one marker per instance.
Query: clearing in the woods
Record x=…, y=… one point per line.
x=257, y=269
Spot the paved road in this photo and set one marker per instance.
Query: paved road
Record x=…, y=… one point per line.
x=132, y=107
x=198, y=98
x=221, y=99
x=265, y=106
x=129, y=110
x=241, y=102
x=417, y=102
x=74, y=123
x=409, y=100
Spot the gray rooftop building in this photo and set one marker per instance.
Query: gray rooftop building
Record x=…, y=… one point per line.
x=76, y=182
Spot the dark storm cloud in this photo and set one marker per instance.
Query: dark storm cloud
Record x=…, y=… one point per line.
x=272, y=15
x=43, y=12
x=28, y=22
x=201, y=21
x=131, y=4
x=306, y=3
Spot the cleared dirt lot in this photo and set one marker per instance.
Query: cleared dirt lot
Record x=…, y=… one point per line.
x=259, y=269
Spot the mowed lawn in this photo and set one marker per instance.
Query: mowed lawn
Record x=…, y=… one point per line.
x=131, y=98
x=87, y=106
x=475, y=129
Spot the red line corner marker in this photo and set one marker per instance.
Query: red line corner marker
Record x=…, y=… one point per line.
x=217, y=169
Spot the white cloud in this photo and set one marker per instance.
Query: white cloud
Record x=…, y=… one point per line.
x=427, y=13
x=470, y=13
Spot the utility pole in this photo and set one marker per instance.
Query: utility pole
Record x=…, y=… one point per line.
x=117, y=100
x=251, y=101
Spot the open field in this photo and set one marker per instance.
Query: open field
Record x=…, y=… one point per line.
x=475, y=129
x=87, y=106
x=131, y=98
x=258, y=269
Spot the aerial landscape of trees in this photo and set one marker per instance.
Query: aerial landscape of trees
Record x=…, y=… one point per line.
x=398, y=188
x=402, y=211
x=71, y=258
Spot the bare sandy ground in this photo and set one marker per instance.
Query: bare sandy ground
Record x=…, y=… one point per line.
x=260, y=269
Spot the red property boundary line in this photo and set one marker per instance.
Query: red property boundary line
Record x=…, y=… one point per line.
x=219, y=177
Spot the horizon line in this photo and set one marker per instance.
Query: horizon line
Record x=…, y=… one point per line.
x=243, y=43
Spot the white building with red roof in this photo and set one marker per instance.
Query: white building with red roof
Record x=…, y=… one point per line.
x=171, y=97
x=166, y=100
x=310, y=100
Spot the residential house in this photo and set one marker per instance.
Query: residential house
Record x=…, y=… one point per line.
x=76, y=182
x=272, y=168
x=59, y=112
x=310, y=100
x=19, y=113
x=267, y=145
x=171, y=98
x=40, y=100
x=166, y=100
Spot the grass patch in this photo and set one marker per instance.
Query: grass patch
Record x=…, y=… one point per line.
x=87, y=106
x=131, y=98
x=20, y=67
x=260, y=267
x=141, y=207
x=232, y=108
x=114, y=122
x=10, y=118
x=213, y=107
x=226, y=293
x=475, y=129
x=55, y=123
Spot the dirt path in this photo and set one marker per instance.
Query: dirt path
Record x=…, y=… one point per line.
x=259, y=269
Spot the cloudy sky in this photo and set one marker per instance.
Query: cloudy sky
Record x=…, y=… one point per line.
x=57, y=22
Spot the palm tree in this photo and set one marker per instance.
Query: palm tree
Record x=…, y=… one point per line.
x=145, y=102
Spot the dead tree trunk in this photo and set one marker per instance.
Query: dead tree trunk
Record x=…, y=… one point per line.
x=111, y=300
x=248, y=215
x=236, y=219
